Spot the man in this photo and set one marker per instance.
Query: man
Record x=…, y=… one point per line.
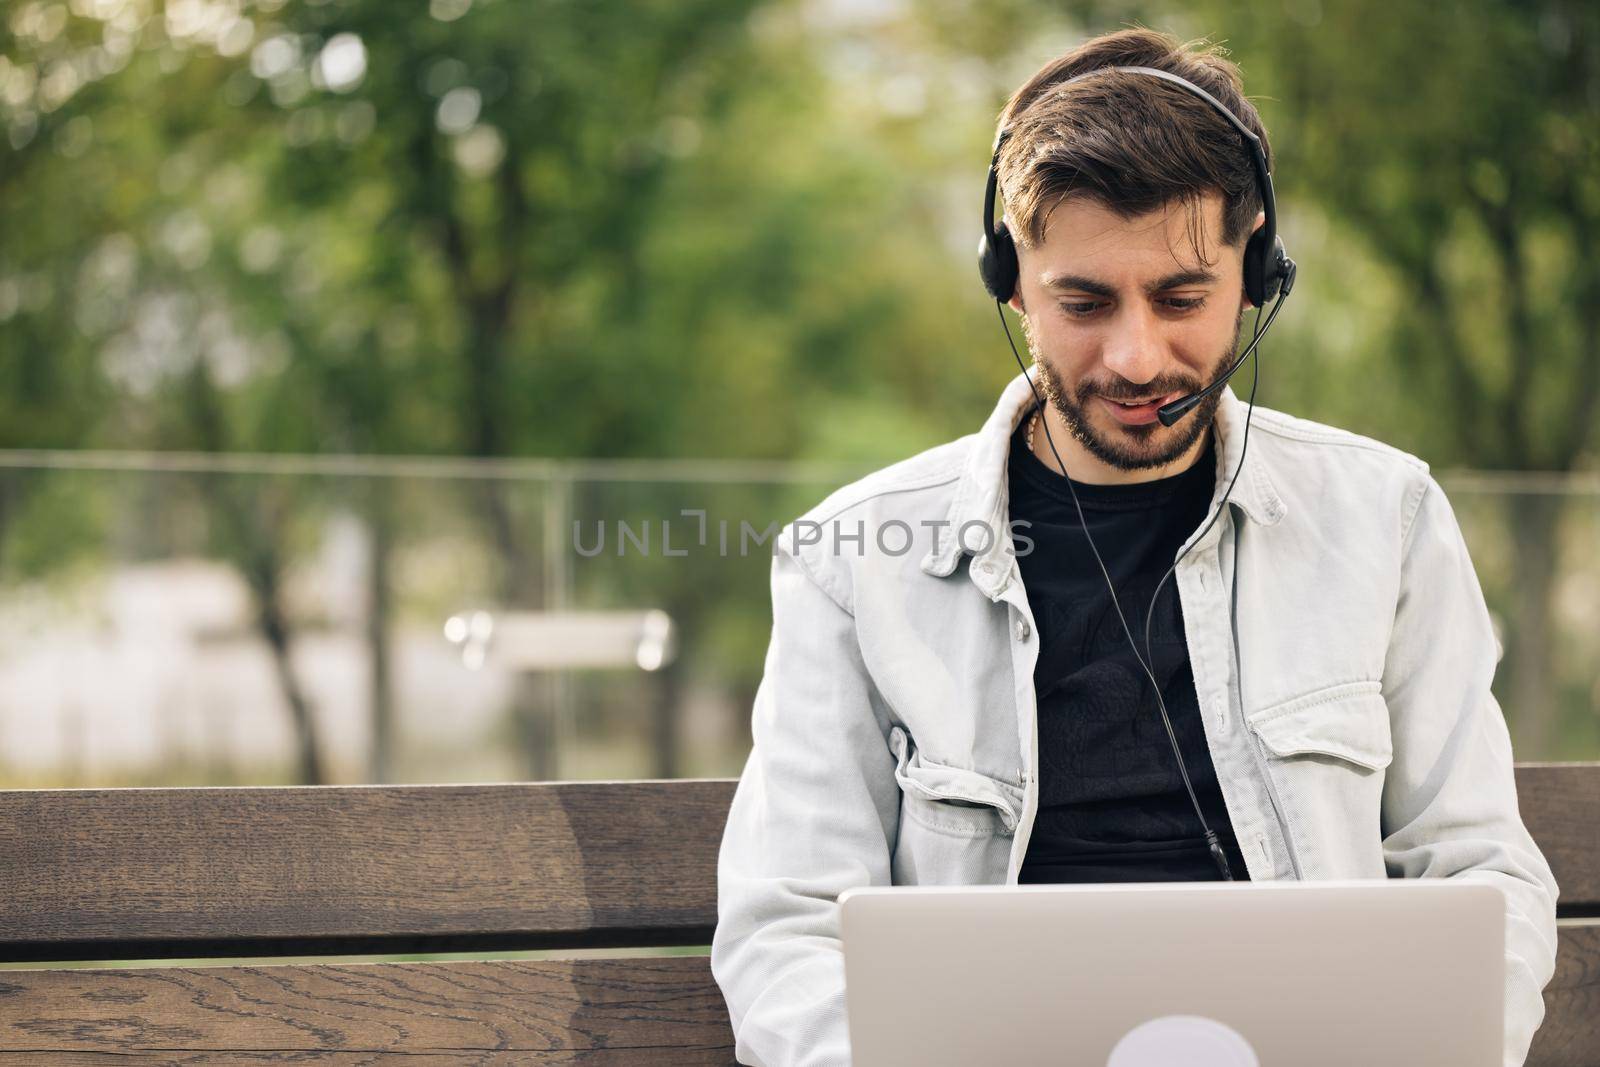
x=973, y=708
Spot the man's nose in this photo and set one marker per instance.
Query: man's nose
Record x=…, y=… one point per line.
x=1133, y=348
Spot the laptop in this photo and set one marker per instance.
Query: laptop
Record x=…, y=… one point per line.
x=1382, y=973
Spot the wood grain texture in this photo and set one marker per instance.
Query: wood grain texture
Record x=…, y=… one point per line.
x=656, y=1011
x=663, y=1010
x=105, y=874
x=1570, y=1034
x=1560, y=805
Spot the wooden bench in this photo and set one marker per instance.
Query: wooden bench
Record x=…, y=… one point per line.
x=171, y=873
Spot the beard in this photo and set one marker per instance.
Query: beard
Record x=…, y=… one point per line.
x=1133, y=448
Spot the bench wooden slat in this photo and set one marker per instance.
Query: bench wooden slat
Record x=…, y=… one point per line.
x=1560, y=805
x=600, y=1011
x=150, y=873
x=1570, y=1033
x=663, y=1010
x=621, y=1057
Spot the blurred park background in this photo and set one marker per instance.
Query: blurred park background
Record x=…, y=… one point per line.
x=323, y=323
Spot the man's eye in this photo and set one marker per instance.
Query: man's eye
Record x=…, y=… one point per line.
x=1084, y=309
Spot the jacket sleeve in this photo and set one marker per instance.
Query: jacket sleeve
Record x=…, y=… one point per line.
x=815, y=812
x=1449, y=799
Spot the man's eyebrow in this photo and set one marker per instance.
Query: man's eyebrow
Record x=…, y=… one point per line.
x=1078, y=283
x=1181, y=279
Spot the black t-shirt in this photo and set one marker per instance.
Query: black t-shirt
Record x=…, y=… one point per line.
x=1112, y=805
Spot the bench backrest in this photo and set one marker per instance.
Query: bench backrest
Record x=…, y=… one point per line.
x=219, y=872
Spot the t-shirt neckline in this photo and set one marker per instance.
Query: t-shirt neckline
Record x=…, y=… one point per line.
x=1109, y=497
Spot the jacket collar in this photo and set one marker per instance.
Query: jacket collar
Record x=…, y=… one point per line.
x=981, y=494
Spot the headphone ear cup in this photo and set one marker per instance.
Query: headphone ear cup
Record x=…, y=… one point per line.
x=1264, y=268
x=1256, y=265
x=1281, y=280
x=997, y=262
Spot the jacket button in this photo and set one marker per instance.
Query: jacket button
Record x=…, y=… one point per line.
x=1022, y=630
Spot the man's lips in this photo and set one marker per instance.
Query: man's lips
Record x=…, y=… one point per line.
x=1139, y=414
x=1141, y=401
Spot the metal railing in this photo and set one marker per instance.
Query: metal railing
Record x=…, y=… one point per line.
x=177, y=617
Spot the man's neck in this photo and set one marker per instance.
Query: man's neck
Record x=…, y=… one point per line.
x=1088, y=469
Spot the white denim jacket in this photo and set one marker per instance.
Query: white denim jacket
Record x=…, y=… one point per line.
x=1332, y=610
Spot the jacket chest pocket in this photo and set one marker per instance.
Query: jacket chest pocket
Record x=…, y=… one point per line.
x=949, y=799
x=1325, y=753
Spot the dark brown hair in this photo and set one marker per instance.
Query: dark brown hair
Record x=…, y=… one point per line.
x=1130, y=141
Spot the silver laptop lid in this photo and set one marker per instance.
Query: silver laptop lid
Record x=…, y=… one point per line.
x=1249, y=974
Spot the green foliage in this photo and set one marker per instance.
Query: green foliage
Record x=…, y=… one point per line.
x=1465, y=153
x=719, y=228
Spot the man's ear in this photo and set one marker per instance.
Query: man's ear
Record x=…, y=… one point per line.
x=1016, y=300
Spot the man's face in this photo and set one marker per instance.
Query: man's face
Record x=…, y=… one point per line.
x=1127, y=309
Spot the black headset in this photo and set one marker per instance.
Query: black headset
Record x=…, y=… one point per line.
x=1266, y=265
x=1268, y=273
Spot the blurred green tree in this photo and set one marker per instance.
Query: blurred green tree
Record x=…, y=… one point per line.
x=714, y=228
x=561, y=230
